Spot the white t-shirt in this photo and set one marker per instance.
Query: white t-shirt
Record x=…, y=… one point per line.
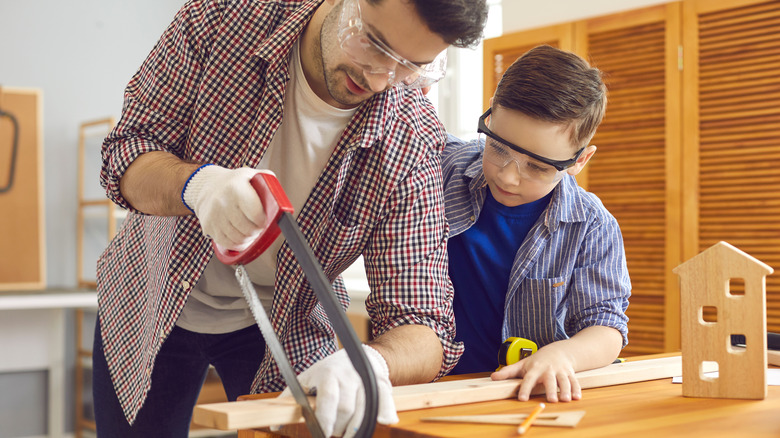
x=297, y=155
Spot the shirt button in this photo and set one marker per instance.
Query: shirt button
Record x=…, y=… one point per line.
x=471, y=219
x=185, y=284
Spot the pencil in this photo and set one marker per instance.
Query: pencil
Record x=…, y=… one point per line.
x=526, y=424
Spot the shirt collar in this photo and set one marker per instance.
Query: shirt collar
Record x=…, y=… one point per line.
x=275, y=48
x=566, y=204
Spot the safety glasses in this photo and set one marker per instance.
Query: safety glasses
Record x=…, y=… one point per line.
x=531, y=166
x=375, y=57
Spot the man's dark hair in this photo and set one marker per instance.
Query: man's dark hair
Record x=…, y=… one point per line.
x=555, y=86
x=459, y=22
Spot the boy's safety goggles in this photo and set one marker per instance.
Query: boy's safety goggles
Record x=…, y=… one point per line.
x=376, y=57
x=532, y=167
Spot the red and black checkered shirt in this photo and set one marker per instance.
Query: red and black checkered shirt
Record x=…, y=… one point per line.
x=212, y=91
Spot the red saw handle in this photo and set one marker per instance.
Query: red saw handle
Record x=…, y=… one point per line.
x=275, y=203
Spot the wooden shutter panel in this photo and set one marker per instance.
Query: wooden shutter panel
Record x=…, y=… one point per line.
x=734, y=140
x=636, y=150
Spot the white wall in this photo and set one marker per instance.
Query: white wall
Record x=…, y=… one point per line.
x=81, y=53
x=524, y=14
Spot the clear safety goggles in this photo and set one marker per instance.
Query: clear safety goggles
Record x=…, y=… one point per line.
x=376, y=57
x=530, y=166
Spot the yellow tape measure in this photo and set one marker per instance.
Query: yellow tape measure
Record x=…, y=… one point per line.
x=515, y=349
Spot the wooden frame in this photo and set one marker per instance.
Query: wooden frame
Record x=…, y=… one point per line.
x=84, y=203
x=22, y=223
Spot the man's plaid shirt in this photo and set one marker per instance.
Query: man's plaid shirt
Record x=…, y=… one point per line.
x=212, y=91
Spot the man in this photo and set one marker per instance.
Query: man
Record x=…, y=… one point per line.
x=326, y=95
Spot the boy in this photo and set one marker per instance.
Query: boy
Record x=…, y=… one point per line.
x=533, y=255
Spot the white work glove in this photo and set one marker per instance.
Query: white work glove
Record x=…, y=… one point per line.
x=228, y=207
x=340, y=396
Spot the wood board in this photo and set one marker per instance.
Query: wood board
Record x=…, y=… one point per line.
x=773, y=357
x=277, y=411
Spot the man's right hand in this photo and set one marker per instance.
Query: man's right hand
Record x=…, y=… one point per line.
x=228, y=207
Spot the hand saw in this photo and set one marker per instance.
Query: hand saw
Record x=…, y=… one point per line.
x=279, y=218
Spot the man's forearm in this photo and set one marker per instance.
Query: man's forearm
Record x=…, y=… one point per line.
x=413, y=354
x=153, y=183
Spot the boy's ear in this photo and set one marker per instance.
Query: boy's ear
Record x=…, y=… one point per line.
x=586, y=155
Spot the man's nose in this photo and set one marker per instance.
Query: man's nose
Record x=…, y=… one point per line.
x=377, y=82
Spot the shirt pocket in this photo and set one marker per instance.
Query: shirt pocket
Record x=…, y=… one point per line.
x=541, y=309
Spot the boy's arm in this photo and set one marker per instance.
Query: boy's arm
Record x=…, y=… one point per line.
x=554, y=365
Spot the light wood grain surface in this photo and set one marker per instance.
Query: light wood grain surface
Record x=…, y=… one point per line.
x=653, y=408
x=646, y=409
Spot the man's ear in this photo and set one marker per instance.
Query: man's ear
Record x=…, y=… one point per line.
x=586, y=155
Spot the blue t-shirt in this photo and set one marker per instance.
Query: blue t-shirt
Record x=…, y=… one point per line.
x=481, y=261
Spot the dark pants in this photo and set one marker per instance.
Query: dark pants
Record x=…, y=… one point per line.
x=179, y=371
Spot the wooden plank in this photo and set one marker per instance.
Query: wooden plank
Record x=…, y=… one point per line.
x=277, y=411
x=773, y=357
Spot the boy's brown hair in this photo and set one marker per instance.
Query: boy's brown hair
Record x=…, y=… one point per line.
x=555, y=86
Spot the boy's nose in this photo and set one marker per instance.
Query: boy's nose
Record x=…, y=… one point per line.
x=510, y=173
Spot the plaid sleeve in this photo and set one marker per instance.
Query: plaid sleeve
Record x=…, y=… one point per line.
x=407, y=265
x=159, y=100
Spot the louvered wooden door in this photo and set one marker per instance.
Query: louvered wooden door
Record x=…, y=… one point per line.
x=635, y=171
x=732, y=136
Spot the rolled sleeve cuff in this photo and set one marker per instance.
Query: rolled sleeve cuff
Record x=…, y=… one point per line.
x=122, y=154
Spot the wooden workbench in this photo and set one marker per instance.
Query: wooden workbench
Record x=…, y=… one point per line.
x=646, y=409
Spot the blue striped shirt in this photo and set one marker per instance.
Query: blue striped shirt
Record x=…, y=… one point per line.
x=570, y=271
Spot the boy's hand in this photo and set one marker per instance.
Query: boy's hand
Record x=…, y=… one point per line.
x=551, y=368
